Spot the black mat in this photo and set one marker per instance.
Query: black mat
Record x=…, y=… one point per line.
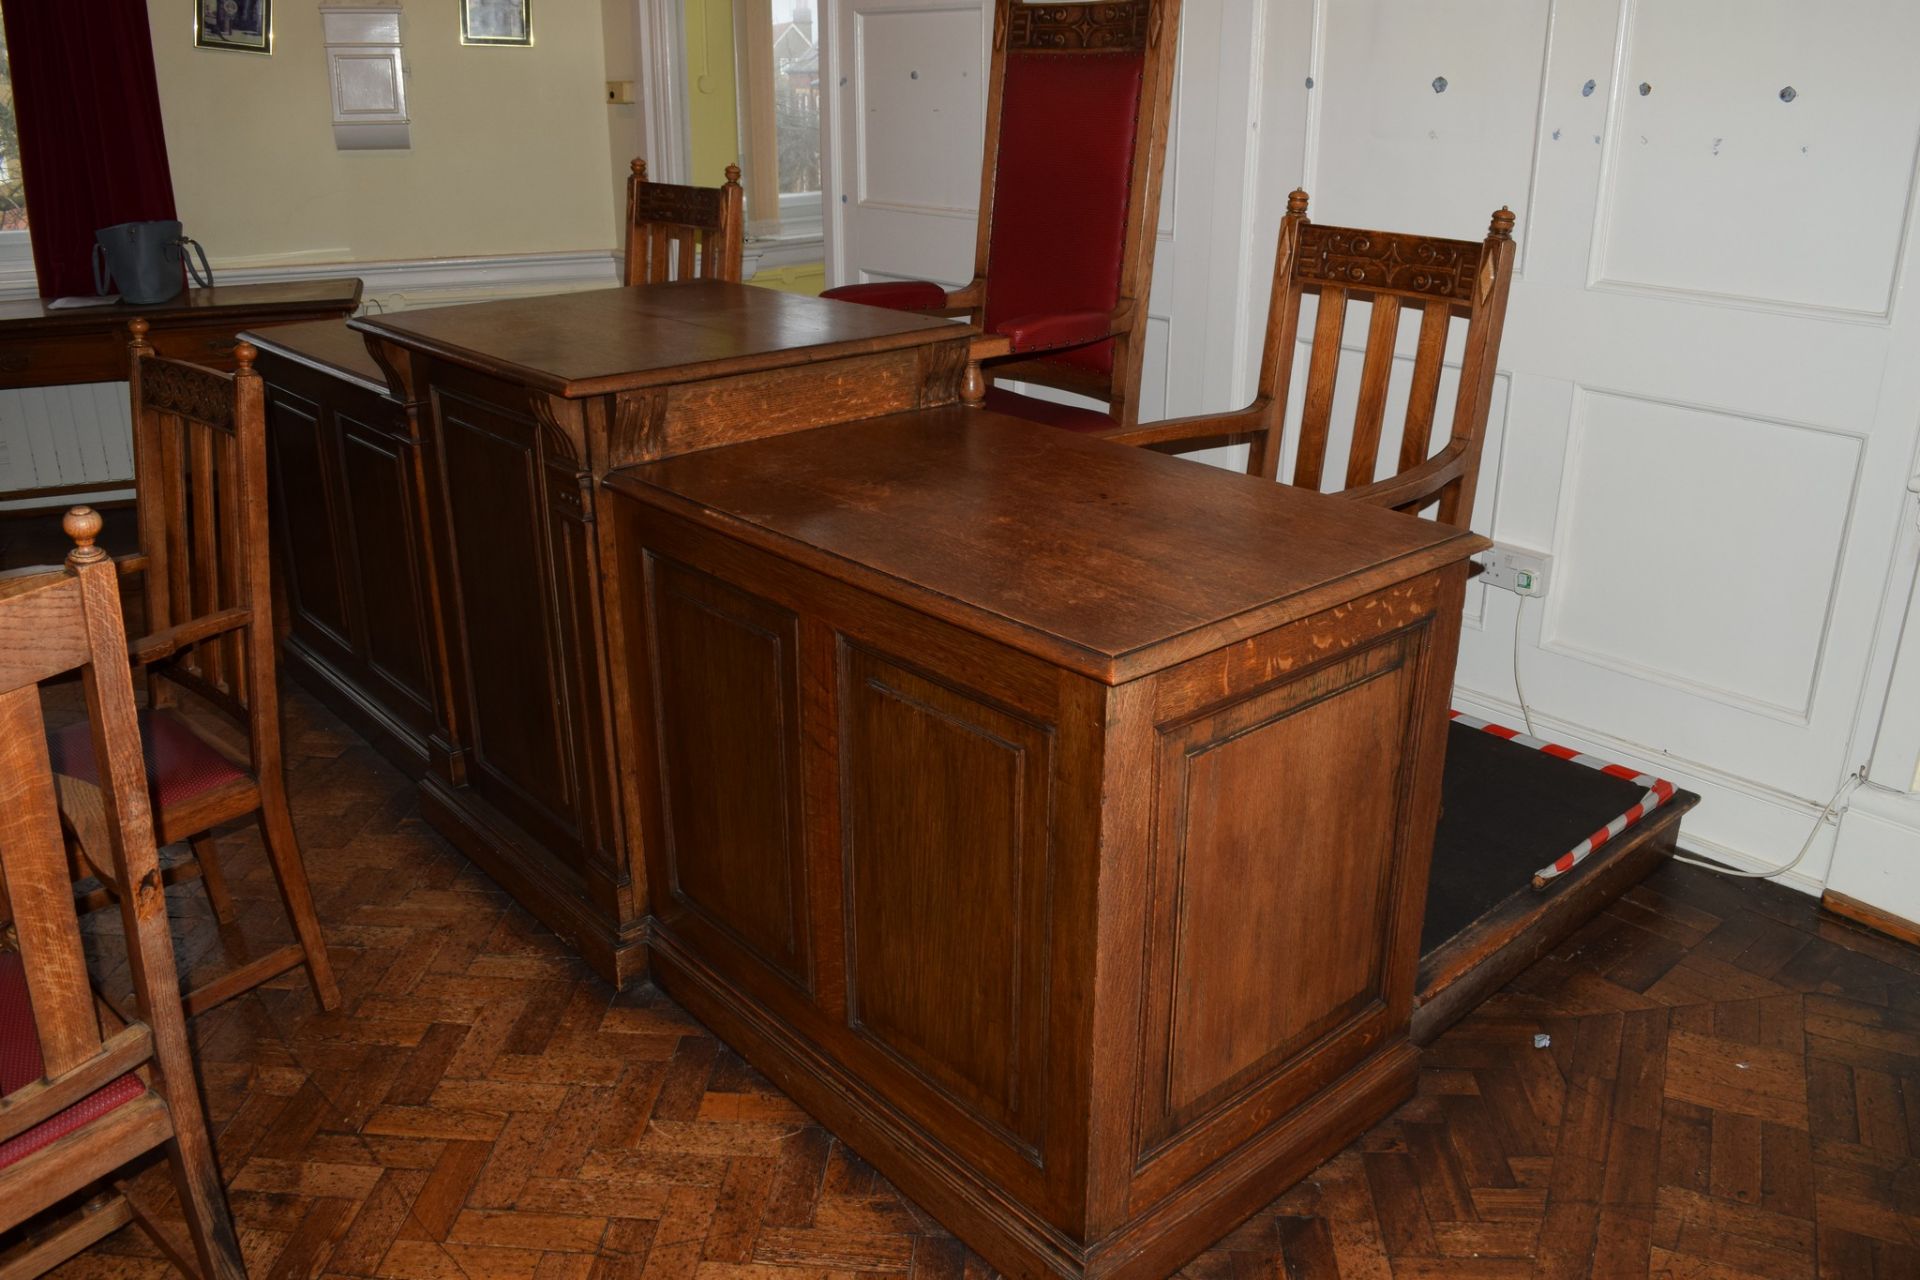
x=1505, y=812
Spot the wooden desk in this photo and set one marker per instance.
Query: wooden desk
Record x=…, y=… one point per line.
x=1050, y=818
x=43, y=348
x=514, y=412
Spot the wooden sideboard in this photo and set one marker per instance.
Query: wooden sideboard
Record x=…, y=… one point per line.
x=1050, y=818
x=41, y=347
x=468, y=497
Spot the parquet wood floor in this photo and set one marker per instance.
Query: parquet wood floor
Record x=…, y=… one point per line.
x=1732, y=1089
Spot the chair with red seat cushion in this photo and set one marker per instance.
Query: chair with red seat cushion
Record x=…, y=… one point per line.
x=77, y=1108
x=1449, y=284
x=200, y=472
x=1078, y=99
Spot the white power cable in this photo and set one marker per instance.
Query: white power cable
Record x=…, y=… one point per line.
x=1519, y=693
x=1833, y=806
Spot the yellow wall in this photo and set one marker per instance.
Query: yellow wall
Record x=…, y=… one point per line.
x=510, y=145
x=808, y=277
x=711, y=92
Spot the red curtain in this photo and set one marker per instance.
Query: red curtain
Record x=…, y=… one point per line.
x=91, y=146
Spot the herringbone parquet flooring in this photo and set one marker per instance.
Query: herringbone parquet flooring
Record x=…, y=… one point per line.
x=1731, y=1089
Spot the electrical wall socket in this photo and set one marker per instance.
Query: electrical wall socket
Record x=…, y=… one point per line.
x=1516, y=569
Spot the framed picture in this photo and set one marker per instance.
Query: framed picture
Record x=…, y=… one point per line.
x=246, y=25
x=496, y=22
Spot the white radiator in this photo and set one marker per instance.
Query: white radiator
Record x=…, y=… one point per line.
x=62, y=437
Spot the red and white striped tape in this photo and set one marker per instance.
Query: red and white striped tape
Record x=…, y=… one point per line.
x=1659, y=791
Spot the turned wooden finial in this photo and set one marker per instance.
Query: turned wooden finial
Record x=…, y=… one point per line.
x=733, y=175
x=640, y=168
x=1297, y=202
x=139, y=329
x=243, y=354
x=1502, y=227
x=83, y=525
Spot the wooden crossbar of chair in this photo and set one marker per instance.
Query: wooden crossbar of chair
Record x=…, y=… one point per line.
x=684, y=233
x=200, y=468
x=1444, y=282
x=100, y=1101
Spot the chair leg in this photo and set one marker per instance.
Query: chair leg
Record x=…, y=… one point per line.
x=291, y=871
x=207, y=854
x=209, y=1221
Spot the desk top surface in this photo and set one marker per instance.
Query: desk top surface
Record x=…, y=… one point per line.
x=606, y=340
x=291, y=297
x=1111, y=561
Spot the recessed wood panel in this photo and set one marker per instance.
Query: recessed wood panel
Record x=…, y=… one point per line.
x=491, y=462
x=1273, y=883
x=312, y=561
x=729, y=726
x=1633, y=546
x=1746, y=105
x=1443, y=104
x=375, y=475
x=945, y=820
x=919, y=96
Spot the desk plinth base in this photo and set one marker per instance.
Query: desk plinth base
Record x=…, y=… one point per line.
x=1019, y=1244
x=525, y=869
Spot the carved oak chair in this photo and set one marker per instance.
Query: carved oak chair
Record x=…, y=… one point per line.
x=683, y=233
x=1448, y=283
x=200, y=464
x=76, y=1105
x=1078, y=98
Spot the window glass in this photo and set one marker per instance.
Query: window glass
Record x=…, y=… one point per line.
x=13, y=191
x=796, y=95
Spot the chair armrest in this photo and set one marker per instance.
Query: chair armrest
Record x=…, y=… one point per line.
x=1173, y=435
x=166, y=643
x=1416, y=485
x=1055, y=331
x=894, y=295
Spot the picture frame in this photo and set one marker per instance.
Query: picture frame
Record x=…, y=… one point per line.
x=496, y=22
x=242, y=25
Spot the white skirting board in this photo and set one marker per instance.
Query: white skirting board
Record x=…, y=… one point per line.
x=58, y=437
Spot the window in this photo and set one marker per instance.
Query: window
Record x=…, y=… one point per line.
x=16, y=249
x=779, y=64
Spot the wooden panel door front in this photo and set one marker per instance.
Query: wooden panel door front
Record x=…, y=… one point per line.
x=947, y=877
x=514, y=508
x=731, y=859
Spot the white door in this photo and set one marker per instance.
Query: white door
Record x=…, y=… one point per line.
x=904, y=183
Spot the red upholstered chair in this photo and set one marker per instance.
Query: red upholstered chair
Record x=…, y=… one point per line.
x=200, y=467
x=76, y=1106
x=1078, y=98
x=1450, y=284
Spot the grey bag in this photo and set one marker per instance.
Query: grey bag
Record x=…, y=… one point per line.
x=145, y=260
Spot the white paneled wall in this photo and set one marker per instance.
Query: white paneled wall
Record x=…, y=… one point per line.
x=1710, y=382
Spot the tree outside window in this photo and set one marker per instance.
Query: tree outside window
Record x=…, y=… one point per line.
x=13, y=191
